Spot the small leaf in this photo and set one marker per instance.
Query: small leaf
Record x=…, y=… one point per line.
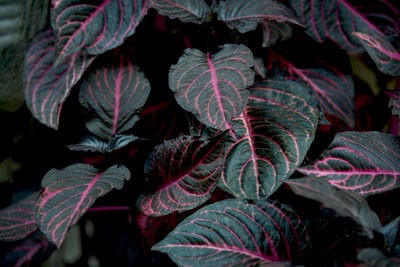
x=68, y=193
x=213, y=87
x=244, y=15
x=363, y=162
x=390, y=232
x=373, y=257
x=271, y=138
x=93, y=144
x=274, y=31
x=343, y=203
x=259, y=67
x=94, y=26
x=394, y=101
x=234, y=233
x=47, y=84
x=195, y=11
x=385, y=56
x=17, y=220
x=187, y=169
x=115, y=92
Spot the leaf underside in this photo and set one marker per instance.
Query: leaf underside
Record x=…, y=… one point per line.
x=93, y=144
x=235, y=233
x=194, y=11
x=363, y=162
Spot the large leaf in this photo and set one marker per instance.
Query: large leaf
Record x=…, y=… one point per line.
x=394, y=101
x=385, y=56
x=244, y=15
x=17, y=220
x=235, y=233
x=47, y=84
x=344, y=203
x=195, y=11
x=94, y=26
x=338, y=19
x=92, y=144
x=213, y=87
x=364, y=162
x=271, y=138
x=334, y=90
x=68, y=193
x=186, y=169
x=115, y=91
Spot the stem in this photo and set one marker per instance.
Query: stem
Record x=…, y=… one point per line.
x=110, y=208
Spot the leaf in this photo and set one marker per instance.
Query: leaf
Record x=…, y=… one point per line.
x=186, y=169
x=94, y=26
x=244, y=15
x=68, y=193
x=338, y=19
x=194, y=11
x=385, y=56
x=213, y=87
x=115, y=91
x=259, y=67
x=47, y=84
x=390, y=232
x=363, y=162
x=17, y=221
x=394, y=101
x=271, y=138
x=333, y=89
x=342, y=202
x=92, y=144
x=235, y=233
x=373, y=257
x=274, y=31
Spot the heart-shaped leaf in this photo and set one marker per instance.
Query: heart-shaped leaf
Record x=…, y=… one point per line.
x=274, y=31
x=68, y=193
x=338, y=19
x=235, y=233
x=94, y=26
x=17, y=220
x=244, y=15
x=47, y=84
x=186, y=169
x=385, y=56
x=93, y=144
x=115, y=91
x=213, y=87
x=344, y=203
x=363, y=162
x=271, y=138
x=195, y=11
x=394, y=101
x=334, y=90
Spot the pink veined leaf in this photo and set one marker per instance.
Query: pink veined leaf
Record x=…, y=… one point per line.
x=68, y=193
x=270, y=138
x=92, y=144
x=47, y=84
x=17, y=221
x=187, y=169
x=195, y=11
x=338, y=19
x=394, y=101
x=213, y=87
x=94, y=26
x=342, y=202
x=363, y=162
x=115, y=92
x=244, y=15
x=274, y=31
x=334, y=90
x=236, y=233
x=385, y=56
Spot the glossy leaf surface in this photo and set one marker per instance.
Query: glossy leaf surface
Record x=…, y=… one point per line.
x=363, y=162
x=115, y=92
x=186, y=169
x=235, y=233
x=94, y=26
x=244, y=15
x=271, y=138
x=17, y=220
x=385, y=56
x=47, y=84
x=334, y=90
x=213, y=87
x=338, y=19
x=195, y=11
x=342, y=202
x=93, y=144
x=68, y=193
